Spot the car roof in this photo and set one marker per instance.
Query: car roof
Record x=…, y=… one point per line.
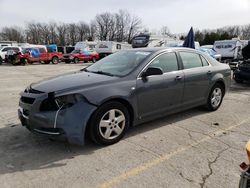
x=158, y=49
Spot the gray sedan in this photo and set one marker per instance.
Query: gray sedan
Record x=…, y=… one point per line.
x=124, y=89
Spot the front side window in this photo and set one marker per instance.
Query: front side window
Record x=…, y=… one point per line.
x=190, y=60
x=42, y=50
x=167, y=62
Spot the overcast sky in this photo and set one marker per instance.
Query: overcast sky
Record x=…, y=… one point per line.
x=178, y=15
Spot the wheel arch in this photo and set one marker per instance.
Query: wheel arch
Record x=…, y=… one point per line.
x=123, y=101
x=222, y=83
x=54, y=56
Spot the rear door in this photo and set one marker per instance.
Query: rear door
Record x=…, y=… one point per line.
x=160, y=93
x=197, y=73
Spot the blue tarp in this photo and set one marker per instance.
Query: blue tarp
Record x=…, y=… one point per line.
x=52, y=47
x=34, y=52
x=189, y=40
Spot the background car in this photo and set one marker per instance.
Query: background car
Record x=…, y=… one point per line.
x=81, y=55
x=3, y=51
x=36, y=54
x=210, y=51
x=121, y=90
x=242, y=72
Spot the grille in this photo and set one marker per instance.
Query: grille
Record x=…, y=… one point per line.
x=27, y=100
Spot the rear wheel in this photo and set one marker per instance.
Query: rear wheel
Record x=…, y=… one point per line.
x=215, y=97
x=55, y=60
x=76, y=60
x=109, y=123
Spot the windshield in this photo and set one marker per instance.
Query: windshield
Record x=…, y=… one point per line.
x=119, y=64
x=75, y=51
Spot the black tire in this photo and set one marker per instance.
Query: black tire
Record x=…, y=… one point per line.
x=94, y=59
x=46, y=62
x=76, y=60
x=1, y=60
x=96, y=131
x=67, y=61
x=239, y=81
x=210, y=106
x=23, y=61
x=55, y=60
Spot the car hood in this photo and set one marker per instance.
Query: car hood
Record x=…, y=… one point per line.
x=70, y=81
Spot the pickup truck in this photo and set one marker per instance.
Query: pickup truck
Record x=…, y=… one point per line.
x=81, y=55
x=36, y=54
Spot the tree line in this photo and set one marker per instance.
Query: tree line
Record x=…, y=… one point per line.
x=224, y=33
x=120, y=26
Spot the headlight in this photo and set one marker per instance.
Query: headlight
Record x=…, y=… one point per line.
x=60, y=102
x=66, y=101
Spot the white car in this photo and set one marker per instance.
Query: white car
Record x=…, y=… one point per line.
x=3, y=51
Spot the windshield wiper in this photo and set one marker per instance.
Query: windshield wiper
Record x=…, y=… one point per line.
x=101, y=72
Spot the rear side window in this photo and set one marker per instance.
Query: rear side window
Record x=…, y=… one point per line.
x=167, y=62
x=204, y=61
x=190, y=60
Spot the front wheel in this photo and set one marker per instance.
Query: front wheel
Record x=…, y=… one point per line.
x=55, y=60
x=94, y=59
x=109, y=123
x=76, y=60
x=215, y=97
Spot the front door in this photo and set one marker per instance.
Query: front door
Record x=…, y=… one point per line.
x=160, y=93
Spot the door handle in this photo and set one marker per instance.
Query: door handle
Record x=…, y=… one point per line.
x=209, y=72
x=178, y=78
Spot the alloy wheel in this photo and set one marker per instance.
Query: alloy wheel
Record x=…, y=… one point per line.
x=112, y=124
x=216, y=97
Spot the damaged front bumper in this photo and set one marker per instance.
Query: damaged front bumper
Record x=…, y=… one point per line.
x=67, y=122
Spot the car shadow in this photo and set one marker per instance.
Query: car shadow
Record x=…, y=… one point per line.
x=22, y=150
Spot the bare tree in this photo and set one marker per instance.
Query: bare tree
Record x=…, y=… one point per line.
x=105, y=26
x=134, y=26
x=83, y=30
x=33, y=33
x=122, y=25
x=61, y=32
x=72, y=33
x=12, y=34
x=246, y=32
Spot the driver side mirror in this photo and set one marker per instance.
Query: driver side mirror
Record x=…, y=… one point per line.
x=152, y=71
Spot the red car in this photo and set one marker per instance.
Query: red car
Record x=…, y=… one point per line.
x=37, y=54
x=81, y=55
